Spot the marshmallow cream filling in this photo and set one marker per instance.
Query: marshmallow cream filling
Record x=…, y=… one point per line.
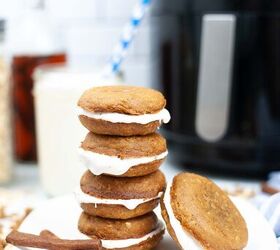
x=162, y=116
x=186, y=240
x=129, y=204
x=104, y=164
x=114, y=244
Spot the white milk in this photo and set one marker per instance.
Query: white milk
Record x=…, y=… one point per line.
x=59, y=132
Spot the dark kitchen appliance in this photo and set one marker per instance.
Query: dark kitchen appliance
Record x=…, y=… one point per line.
x=218, y=64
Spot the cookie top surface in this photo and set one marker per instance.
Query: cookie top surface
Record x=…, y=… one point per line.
x=205, y=211
x=122, y=99
x=114, y=229
x=109, y=187
x=125, y=147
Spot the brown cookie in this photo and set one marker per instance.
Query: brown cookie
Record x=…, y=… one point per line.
x=122, y=99
x=112, y=211
x=109, y=187
x=123, y=129
x=199, y=208
x=135, y=196
x=128, y=100
x=144, y=231
x=148, y=151
x=117, y=229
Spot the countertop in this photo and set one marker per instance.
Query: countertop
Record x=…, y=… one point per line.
x=25, y=191
x=26, y=179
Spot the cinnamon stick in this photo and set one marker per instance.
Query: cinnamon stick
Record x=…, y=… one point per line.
x=268, y=189
x=50, y=235
x=30, y=240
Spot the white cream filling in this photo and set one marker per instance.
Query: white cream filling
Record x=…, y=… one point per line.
x=114, y=244
x=129, y=204
x=186, y=240
x=162, y=116
x=104, y=164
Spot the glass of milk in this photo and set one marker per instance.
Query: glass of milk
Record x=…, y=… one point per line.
x=59, y=132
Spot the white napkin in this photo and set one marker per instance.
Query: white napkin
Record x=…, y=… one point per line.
x=270, y=207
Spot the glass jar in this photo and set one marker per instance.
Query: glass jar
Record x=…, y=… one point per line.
x=6, y=160
x=59, y=132
x=33, y=41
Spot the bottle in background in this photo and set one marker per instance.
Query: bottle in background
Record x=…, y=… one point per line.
x=33, y=43
x=5, y=112
x=59, y=132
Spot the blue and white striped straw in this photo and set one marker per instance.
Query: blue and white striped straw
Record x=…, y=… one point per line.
x=127, y=36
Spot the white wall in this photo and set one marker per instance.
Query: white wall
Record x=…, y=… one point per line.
x=91, y=28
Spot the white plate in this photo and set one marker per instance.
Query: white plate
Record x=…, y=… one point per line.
x=60, y=215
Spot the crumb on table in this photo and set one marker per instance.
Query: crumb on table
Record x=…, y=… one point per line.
x=242, y=192
x=9, y=222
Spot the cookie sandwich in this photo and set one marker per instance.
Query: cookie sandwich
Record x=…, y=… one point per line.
x=199, y=215
x=120, y=198
x=123, y=156
x=122, y=110
x=138, y=233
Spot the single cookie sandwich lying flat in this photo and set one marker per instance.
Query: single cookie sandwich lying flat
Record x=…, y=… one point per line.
x=200, y=216
x=120, y=198
x=122, y=110
x=123, y=156
x=140, y=233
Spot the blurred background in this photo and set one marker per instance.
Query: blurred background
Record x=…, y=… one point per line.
x=50, y=52
x=218, y=64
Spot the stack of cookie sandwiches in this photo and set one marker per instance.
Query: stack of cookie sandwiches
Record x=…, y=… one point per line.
x=122, y=153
